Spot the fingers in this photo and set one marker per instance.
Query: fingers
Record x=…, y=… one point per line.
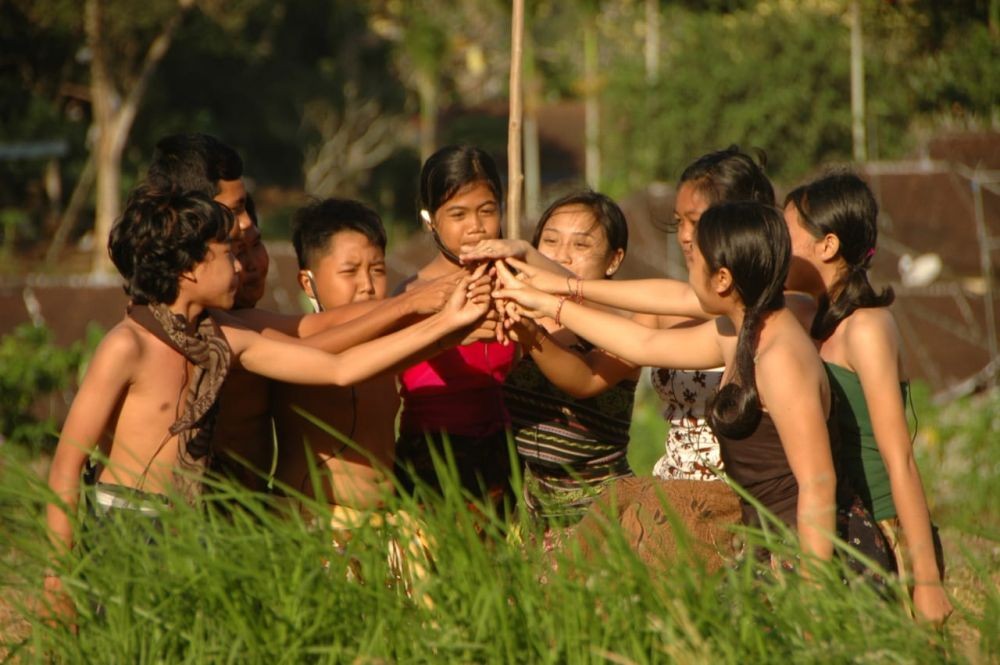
x=504, y=274
x=519, y=265
x=487, y=250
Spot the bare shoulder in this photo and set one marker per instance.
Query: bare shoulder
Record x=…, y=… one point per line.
x=786, y=349
x=866, y=322
x=119, y=354
x=126, y=342
x=872, y=344
x=870, y=328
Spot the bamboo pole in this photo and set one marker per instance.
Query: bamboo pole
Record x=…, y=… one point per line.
x=515, y=177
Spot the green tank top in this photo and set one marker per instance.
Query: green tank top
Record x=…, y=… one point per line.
x=859, y=457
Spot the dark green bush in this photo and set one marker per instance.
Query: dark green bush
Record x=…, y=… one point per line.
x=35, y=376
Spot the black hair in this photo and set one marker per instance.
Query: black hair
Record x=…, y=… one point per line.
x=315, y=224
x=193, y=162
x=453, y=167
x=752, y=242
x=730, y=175
x=606, y=213
x=162, y=234
x=842, y=204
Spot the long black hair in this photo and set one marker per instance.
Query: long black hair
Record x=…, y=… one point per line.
x=446, y=172
x=752, y=242
x=730, y=175
x=606, y=212
x=842, y=204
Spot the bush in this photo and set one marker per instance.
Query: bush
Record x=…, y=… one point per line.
x=33, y=369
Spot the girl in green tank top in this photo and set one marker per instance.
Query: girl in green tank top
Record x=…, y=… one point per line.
x=832, y=223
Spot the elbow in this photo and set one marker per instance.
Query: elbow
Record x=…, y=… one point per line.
x=584, y=391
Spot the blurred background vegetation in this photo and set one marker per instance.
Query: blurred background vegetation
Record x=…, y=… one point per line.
x=343, y=97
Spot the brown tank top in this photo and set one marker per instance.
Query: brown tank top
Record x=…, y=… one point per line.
x=759, y=465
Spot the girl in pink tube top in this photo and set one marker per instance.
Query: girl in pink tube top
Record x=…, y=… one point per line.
x=457, y=395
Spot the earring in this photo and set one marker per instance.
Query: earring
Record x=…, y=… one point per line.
x=426, y=216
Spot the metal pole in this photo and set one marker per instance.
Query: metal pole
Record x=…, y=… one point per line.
x=858, y=85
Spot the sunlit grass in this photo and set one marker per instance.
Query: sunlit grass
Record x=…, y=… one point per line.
x=256, y=584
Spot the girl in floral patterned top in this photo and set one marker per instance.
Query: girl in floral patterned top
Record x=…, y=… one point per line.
x=691, y=451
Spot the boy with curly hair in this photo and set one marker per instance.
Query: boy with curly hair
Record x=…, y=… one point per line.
x=148, y=399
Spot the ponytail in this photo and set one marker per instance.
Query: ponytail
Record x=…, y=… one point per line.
x=842, y=204
x=751, y=240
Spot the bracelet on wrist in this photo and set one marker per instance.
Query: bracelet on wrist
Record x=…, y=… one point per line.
x=562, y=301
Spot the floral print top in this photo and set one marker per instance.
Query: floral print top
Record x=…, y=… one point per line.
x=691, y=450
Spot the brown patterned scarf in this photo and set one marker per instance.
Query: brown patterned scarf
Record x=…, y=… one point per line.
x=207, y=349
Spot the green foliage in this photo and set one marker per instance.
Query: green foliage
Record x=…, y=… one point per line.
x=32, y=369
x=776, y=75
x=648, y=431
x=956, y=450
x=249, y=584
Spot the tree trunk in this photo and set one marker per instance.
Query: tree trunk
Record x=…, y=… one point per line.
x=858, y=85
x=108, y=162
x=113, y=117
x=68, y=219
x=428, y=94
x=652, y=45
x=515, y=175
x=591, y=107
x=532, y=159
x=103, y=96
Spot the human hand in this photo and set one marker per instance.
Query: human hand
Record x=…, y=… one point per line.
x=470, y=299
x=485, y=330
x=931, y=603
x=531, y=302
x=497, y=248
x=58, y=608
x=432, y=296
x=524, y=331
x=541, y=279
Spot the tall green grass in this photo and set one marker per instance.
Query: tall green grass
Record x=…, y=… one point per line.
x=242, y=581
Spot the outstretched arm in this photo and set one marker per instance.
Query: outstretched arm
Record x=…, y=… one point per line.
x=873, y=351
x=503, y=248
x=789, y=388
x=300, y=364
x=346, y=326
x=648, y=296
x=696, y=347
x=577, y=373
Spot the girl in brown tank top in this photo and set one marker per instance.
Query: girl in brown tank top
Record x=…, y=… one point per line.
x=737, y=269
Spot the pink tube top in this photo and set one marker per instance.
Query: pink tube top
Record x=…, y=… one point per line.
x=458, y=391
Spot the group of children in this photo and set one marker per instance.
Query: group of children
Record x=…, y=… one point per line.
x=778, y=364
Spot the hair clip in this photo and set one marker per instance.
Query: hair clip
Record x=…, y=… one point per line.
x=871, y=253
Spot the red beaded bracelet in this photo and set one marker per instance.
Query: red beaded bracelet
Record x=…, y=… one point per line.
x=562, y=301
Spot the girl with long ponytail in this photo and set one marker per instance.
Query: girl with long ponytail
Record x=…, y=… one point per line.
x=833, y=225
x=771, y=413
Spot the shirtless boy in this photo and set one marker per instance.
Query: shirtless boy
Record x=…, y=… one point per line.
x=148, y=396
x=243, y=433
x=340, y=245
